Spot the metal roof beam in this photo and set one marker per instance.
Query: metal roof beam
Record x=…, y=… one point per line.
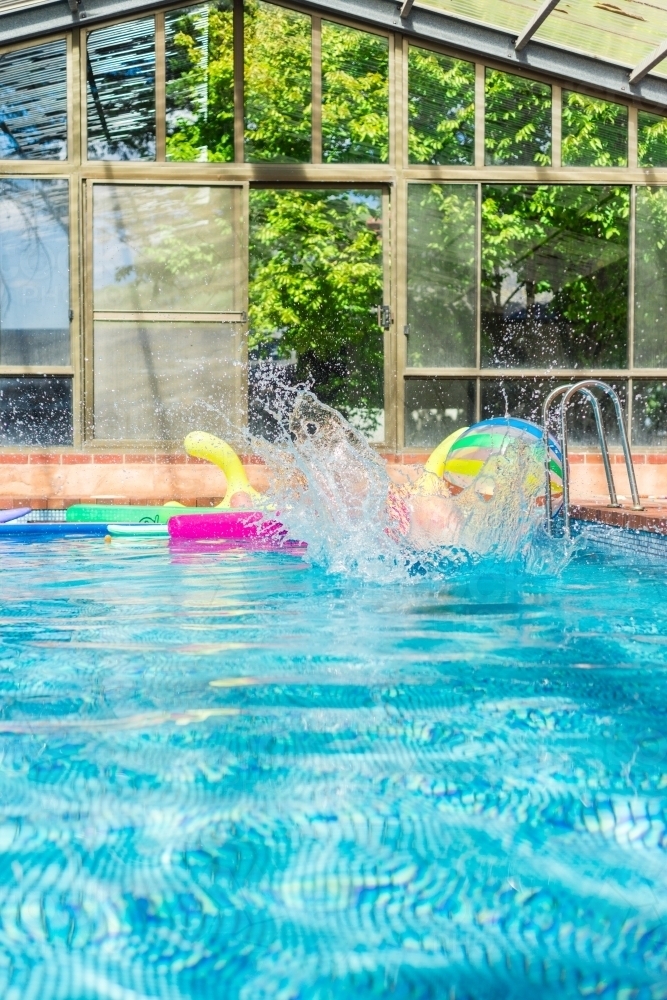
x=536, y=21
x=646, y=65
x=477, y=41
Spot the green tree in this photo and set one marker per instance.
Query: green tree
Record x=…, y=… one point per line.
x=315, y=277
x=355, y=95
x=555, y=275
x=441, y=108
x=200, y=83
x=651, y=140
x=595, y=133
x=517, y=118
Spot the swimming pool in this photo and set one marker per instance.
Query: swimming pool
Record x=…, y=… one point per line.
x=231, y=774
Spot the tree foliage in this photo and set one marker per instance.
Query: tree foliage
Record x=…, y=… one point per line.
x=355, y=95
x=200, y=83
x=651, y=140
x=595, y=133
x=315, y=277
x=517, y=120
x=441, y=108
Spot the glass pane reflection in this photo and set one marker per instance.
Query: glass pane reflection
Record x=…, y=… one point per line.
x=34, y=272
x=200, y=82
x=33, y=103
x=315, y=279
x=524, y=398
x=36, y=411
x=649, y=413
x=651, y=277
x=355, y=95
x=554, y=276
x=441, y=275
x=435, y=408
x=441, y=108
x=517, y=120
x=159, y=247
x=651, y=139
x=121, y=91
x=595, y=133
x=277, y=71
x=159, y=381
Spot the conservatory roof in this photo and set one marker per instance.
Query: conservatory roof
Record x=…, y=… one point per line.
x=615, y=46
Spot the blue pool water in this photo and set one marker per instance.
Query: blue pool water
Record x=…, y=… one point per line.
x=233, y=775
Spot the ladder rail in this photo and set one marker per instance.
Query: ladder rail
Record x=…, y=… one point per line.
x=568, y=392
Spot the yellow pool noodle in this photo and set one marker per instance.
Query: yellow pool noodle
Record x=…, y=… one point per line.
x=213, y=449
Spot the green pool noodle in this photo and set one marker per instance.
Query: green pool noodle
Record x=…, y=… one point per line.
x=121, y=514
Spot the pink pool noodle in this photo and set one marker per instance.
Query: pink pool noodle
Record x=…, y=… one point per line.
x=249, y=526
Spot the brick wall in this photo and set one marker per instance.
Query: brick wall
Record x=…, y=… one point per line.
x=56, y=479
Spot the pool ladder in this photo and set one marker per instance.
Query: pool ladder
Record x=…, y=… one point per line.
x=568, y=392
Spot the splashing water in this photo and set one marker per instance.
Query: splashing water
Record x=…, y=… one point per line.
x=334, y=491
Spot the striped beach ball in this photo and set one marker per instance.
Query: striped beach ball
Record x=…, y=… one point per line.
x=470, y=452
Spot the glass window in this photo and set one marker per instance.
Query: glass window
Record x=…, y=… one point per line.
x=651, y=139
x=121, y=91
x=315, y=278
x=200, y=83
x=554, y=276
x=35, y=411
x=435, y=408
x=517, y=120
x=355, y=95
x=525, y=397
x=649, y=413
x=441, y=275
x=651, y=278
x=595, y=133
x=33, y=103
x=441, y=108
x=161, y=247
x=34, y=272
x=165, y=261
x=277, y=68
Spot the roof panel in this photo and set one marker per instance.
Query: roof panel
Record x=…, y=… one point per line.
x=618, y=31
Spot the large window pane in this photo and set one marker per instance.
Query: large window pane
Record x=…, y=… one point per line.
x=159, y=381
x=595, y=133
x=517, y=120
x=34, y=272
x=525, y=397
x=651, y=140
x=200, y=82
x=554, y=276
x=649, y=413
x=435, y=408
x=121, y=91
x=158, y=247
x=315, y=277
x=441, y=275
x=36, y=411
x=171, y=252
x=355, y=95
x=441, y=107
x=651, y=278
x=277, y=67
x=33, y=103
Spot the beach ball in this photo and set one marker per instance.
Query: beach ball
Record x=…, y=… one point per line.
x=472, y=449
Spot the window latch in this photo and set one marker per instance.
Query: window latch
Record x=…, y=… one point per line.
x=383, y=316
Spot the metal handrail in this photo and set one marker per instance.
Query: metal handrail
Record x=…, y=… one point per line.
x=568, y=391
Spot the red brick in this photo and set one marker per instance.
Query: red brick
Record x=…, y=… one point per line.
x=37, y=503
x=107, y=459
x=593, y=458
x=9, y=458
x=252, y=460
x=74, y=459
x=140, y=459
x=43, y=459
x=171, y=459
x=191, y=460
x=657, y=458
x=576, y=458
